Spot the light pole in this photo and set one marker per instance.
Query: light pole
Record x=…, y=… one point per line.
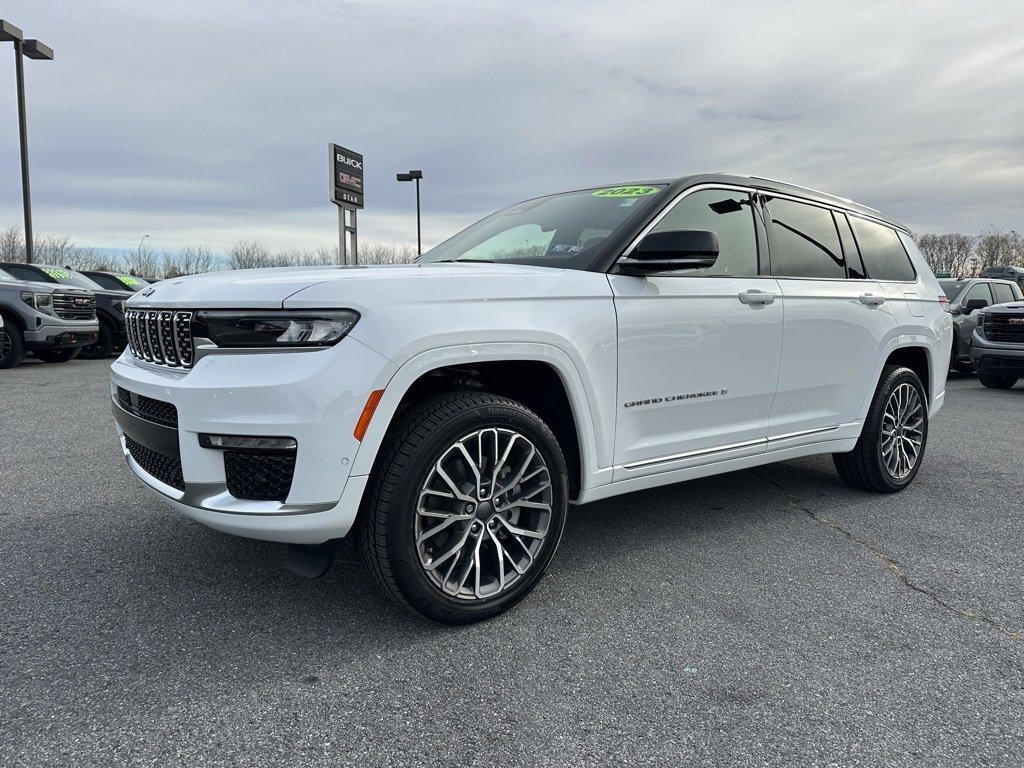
x=34, y=50
x=415, y=176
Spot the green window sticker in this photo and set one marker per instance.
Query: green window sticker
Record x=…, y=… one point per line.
x=129, y=280
x=57, y=274
x=626, y=192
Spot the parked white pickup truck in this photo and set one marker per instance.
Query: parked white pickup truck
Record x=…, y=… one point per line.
x=566, y=349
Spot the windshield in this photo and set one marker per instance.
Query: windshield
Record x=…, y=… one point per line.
x=952, y=287
x=562, y=230
x=70, y=277
x=6, y=275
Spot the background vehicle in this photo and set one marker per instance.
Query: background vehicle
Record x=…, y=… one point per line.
x=966, y=297
x=53, y=323
x=117, y=281
x=109, y=304
x=1015, y=274
x=997, y=350
x=572, y=347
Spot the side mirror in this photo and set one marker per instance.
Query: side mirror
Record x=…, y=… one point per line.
x=955, y=309
x=672, y=249
x=974, y=304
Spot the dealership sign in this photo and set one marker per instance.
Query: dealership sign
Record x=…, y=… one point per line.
x=346, y=176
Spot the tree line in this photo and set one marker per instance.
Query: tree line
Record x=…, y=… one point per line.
x=61, y=250
x=954, y=253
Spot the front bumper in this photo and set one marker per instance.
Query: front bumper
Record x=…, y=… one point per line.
x=61, y=335
x=996, y=359
x=315, y=397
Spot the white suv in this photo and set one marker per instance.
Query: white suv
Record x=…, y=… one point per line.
x=566, y=349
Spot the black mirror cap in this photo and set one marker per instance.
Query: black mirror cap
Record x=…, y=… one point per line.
x=974, y=304
x=672, y=249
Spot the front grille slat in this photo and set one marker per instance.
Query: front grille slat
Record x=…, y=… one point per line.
x=72, y=306
x=161, y=336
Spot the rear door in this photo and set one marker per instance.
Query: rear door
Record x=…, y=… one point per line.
x=837, y=321
x=699, y=349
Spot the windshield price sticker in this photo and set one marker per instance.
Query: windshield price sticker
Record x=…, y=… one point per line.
x=57, y=274
x=626, y=192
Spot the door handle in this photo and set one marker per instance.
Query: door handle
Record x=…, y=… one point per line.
x=872, y=299
x=754, y=296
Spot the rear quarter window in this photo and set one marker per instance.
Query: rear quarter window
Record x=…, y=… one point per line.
x=884, y=256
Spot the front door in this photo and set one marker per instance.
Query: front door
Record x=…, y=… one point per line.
x=699, y=350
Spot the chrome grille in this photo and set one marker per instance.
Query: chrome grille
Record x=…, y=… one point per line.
x=160, y=336
x=74, y=306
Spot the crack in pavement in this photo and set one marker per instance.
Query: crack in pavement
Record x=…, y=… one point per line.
x=891, y=564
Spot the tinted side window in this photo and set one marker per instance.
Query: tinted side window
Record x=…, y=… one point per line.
x=805, y=242
x=854, y=265
x=978, y=291
x=883, y=253
x=729, y=215
x=26, y=273
x=1003, y=293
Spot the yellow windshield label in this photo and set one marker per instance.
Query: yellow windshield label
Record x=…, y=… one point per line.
x=57, y=274
x=626, y=192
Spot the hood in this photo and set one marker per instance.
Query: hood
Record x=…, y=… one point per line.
x=35, y=287
x=355, y=287
x=1013, y=307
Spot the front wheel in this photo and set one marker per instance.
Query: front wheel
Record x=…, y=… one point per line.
x=997, y=382
x=466, y=507
x=103, y=346
x=57, y=355
x=888, y=453
x=12, y=345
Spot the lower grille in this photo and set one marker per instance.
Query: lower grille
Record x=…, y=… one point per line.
x=1004, y=327
x=156, y=411
x=73, y=306
x=259, y=476
x=166, y=469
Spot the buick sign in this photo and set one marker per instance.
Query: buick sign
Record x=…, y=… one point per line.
x=346, y=176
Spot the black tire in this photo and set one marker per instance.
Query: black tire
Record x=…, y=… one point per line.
x=12, y=345
x=57, y=355
x=103, y=346
x=865, y=467
x=963, y=368
x=997, y=382
x=386, y=527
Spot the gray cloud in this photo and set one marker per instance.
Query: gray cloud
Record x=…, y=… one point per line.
x=209, y=120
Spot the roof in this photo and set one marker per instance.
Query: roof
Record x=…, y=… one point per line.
x=770, y=185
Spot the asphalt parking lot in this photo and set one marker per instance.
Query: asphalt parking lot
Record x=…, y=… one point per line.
x=766, y=617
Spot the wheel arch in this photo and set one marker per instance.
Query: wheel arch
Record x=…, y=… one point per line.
x=12, y=317
x=540, y=376
x=917, y=358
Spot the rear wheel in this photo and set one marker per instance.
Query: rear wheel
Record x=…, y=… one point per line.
x=891, y=446
x=466, y=507
x=12, y=345
x=103, y=345
x=997, y=382
x=57, y=355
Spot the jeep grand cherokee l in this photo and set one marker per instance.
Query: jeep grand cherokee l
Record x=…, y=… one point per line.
x=566, y=349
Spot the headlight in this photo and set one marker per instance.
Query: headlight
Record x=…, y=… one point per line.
x=228, y=328
x=39, y=301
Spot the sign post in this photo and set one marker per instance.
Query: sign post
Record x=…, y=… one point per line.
x=347, y=193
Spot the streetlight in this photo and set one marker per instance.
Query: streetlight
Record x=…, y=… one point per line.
x=34, y=50
x=415, y=176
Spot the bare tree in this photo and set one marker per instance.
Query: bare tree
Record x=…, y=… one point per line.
x=250, y=254
x=191, y=260
x=950, y=252
x=376, y=252
x=12, y=245
x=142, y=261
x=999, y=248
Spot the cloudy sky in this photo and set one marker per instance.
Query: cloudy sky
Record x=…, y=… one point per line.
x=209, y=121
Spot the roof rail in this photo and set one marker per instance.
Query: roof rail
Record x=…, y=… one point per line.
x=817, y=192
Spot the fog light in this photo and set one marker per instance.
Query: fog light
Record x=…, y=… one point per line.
x=246, y=443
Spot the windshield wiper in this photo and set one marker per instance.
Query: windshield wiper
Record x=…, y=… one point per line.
x=452, y=261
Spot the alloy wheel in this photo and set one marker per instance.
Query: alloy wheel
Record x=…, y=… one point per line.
x=5, y=344
x=902, y=431
x=483, y=513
